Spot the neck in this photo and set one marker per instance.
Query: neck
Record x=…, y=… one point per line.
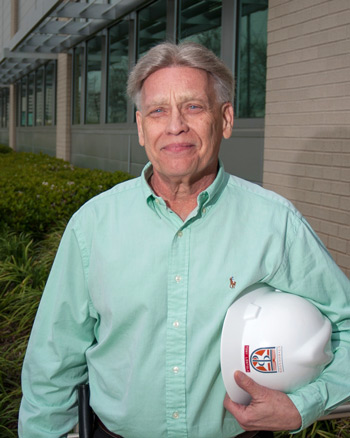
x=180, y=196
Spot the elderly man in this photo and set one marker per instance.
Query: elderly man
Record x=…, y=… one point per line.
x=143, y=278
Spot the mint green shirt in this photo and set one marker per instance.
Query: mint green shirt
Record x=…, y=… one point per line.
x=136, y=300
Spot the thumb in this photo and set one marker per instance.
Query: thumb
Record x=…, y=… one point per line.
x=247, y=384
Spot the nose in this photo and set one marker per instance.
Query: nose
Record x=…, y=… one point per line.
x=176, y=122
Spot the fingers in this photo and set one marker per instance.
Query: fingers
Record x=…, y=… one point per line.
x=268, y=409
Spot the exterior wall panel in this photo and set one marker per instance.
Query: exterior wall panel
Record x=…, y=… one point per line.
x=37, y=139
x=307, y=125
x=4, y=136
x=5, y=25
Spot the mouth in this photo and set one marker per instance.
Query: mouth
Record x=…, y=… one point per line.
x=178, y=147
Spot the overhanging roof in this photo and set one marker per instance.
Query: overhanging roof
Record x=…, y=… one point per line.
x=55, y=28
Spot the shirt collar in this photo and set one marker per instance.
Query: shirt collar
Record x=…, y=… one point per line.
x=206, y=198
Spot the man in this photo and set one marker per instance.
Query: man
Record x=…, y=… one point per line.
x=143, y=278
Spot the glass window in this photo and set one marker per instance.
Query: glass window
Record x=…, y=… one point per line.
x=117, y=73
x=30, y=119
x=24, y=101
x=49, y=93
x=93, y=80
x=77, y=77
x=151, y=26
x=251, y=59
x=39, y=97
x=200, y=22
x=7, y=107
x=4, y=107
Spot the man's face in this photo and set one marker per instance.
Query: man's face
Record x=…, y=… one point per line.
x=181, y=124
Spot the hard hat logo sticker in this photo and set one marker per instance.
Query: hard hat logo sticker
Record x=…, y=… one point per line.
x=264, y=360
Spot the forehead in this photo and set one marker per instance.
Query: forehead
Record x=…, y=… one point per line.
x=179, y=82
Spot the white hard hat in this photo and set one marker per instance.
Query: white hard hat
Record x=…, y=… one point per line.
x=280, y=340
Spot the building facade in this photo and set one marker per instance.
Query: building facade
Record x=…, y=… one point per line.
x=64, y=67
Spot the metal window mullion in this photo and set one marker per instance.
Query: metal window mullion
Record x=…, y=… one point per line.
x=44, y=95
x=229, y=29
x=34, y=98
x=54, y=93
x=83, y=93
x=172, y=21
x=1, y=108
x=132, y=60
x=104, y=69
x=72, y=96
x=18, y=109
x=27, y=100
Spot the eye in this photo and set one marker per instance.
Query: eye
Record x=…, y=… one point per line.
x=156, y=112
x=194, y=108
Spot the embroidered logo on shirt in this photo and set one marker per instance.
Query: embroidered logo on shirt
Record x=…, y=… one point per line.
x=232, y=283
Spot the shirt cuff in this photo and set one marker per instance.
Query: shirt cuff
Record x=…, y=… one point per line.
x=310, y=405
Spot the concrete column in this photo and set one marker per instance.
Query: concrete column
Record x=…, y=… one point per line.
x=14, y=17
x=64, y=117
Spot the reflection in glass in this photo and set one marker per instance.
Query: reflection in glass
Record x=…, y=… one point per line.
x=49, y=93
x=117, y=73
x=30, y=99
x=251, y=62
x=152, y=26
x=24, y=101
x=39, y=97
x=200, y=22
x=77, y=75
x=93, y=80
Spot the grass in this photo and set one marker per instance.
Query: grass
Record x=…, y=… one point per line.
x=24, y=267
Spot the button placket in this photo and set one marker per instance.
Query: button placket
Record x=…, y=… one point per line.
x=176, y=335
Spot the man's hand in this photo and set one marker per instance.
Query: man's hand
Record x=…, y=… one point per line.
x=268, y=410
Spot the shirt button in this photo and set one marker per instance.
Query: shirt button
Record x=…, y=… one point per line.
x=176, y=324
x=180, y=234
x=157, y=201
x=178, y=278
x=175, y=370
x=204, y=210
x=175, y=415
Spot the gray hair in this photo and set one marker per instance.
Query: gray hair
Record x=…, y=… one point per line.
x=186, y=54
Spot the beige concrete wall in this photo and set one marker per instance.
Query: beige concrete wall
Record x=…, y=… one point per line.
x=307, y=126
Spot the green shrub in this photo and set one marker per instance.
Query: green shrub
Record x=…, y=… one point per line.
x=5, y=149
x=37, y=191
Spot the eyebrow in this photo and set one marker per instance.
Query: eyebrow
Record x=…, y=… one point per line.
x=182, y=100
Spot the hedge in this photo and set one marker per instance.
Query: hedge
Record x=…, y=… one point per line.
x=38, y=191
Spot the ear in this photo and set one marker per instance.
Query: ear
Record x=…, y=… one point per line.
x=140, y=128
x=227, y=119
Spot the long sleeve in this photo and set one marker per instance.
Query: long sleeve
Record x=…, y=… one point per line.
x=55, y=360
x=309, y=271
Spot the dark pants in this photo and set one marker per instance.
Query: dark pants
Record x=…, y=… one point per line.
x=100, y=433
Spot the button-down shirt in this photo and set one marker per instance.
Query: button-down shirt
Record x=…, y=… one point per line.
x=136, y=300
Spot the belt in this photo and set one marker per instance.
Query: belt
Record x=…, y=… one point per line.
x=114, y=435
x=247, y=434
